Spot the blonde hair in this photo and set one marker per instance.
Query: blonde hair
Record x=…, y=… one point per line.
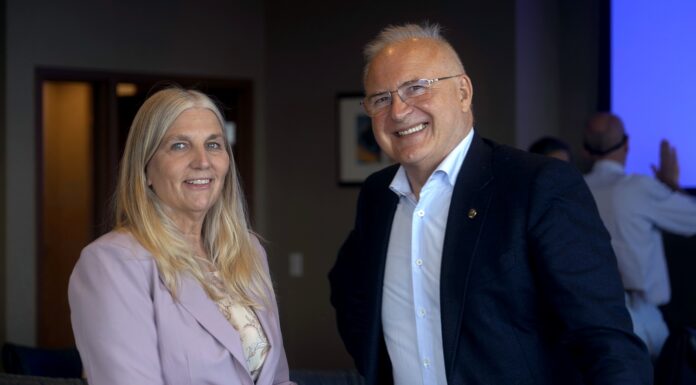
x=226, y=235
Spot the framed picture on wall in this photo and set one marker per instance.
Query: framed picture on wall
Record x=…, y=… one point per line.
x=358, y=152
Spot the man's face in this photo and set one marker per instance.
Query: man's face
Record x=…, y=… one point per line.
x=420, y=135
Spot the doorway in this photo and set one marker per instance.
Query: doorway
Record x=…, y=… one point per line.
x=84, y=119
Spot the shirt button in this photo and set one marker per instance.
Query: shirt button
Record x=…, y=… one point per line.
x=421, y=213
x=426, y=363
x=421, y=312
x=419, y=262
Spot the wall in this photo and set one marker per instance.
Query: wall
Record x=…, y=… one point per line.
x=3, y=163
x=207, y=37
x=579, y=55
x=557, y=69
x=537, y=84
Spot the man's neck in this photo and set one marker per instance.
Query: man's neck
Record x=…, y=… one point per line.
x=417, y=178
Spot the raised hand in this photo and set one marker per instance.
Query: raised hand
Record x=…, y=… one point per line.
x=668, y=172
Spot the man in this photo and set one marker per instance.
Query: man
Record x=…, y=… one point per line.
x=553, y=147
x=470, y=262
x=635, y=208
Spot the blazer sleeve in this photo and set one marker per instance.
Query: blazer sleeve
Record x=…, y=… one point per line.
x=113, y=316
x=580, y=280
x=349, y=294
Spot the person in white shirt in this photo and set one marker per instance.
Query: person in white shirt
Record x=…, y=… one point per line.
x=635, y=209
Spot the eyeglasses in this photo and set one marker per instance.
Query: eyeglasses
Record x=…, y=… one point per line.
x=408, y=92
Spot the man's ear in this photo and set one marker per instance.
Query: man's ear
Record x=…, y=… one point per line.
x=466, y=92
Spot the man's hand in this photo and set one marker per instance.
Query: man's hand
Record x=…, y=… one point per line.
x=668, y=172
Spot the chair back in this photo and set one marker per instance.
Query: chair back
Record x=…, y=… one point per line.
x=18, y=359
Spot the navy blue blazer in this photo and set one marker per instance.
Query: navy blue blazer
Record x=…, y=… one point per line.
x=529, y=287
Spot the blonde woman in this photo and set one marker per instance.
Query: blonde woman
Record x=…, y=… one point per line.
x=179, y=292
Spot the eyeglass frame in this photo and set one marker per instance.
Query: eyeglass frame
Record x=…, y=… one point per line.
x=398, y=91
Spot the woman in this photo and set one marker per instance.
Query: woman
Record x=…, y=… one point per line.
x=179, y=292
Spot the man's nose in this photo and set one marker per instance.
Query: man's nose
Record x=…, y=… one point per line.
x=398, y=109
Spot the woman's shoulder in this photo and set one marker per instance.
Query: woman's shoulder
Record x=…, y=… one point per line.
x=116, y=246
x=111, y=260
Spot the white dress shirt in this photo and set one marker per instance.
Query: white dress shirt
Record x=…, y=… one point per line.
x=634, y=209
x=411, y=296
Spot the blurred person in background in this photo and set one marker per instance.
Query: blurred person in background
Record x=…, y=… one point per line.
x=635, y=209
x=552, y=147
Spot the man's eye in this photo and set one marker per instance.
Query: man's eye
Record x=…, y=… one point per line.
x=381, y=100
x=415, y=89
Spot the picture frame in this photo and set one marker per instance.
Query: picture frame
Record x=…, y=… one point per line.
x=359, y=154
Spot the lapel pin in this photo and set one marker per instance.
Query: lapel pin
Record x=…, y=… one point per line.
x=472, y=213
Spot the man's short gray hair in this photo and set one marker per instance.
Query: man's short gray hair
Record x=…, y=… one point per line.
x=398, y=33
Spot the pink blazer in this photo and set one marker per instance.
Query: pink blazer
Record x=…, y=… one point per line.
x=130, y=330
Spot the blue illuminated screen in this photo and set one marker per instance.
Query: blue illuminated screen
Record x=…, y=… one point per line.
x=653, y=80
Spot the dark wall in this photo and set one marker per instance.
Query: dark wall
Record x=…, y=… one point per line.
x=579, y=55
x=314, y=52
x=3, y=36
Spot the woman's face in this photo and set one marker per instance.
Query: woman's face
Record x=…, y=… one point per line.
x=189, y=167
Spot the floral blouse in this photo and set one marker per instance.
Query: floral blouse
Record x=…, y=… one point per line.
x=254, y=341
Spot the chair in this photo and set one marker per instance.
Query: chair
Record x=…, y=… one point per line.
x=18, y=359
x=17, y=379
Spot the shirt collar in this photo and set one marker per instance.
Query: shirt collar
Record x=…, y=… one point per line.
x=608, y=165
x=449, y=167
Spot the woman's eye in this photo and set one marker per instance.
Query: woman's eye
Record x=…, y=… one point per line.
x=178, y=146
x=214, y=145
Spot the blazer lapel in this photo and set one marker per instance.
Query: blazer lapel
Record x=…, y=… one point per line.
x=382, y=218
x=468, y=208
x=274, y=340
x=194, y=299
x=378, y=219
